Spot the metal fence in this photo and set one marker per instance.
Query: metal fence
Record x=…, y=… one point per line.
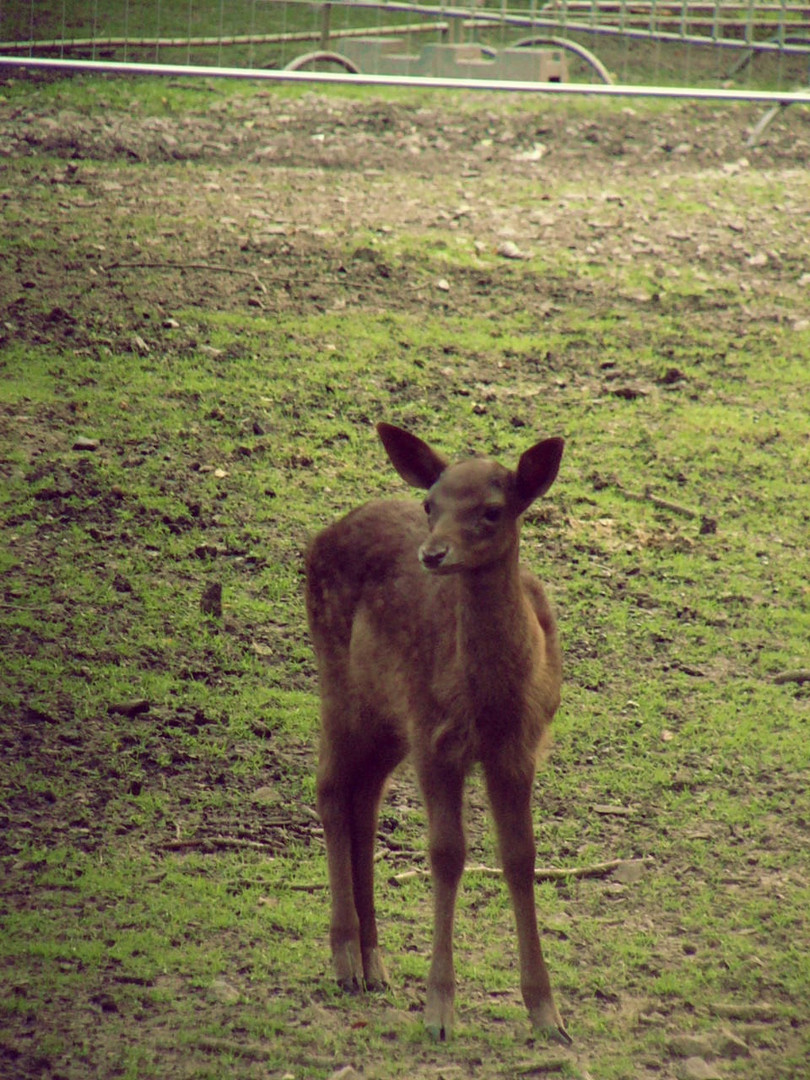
x=759, y=49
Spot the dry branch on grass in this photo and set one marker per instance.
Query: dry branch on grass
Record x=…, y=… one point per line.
x=236, y=1047
x=800, y=675
x=541, y=873
x=213, y=843
x=663, y=504
x=213, y=267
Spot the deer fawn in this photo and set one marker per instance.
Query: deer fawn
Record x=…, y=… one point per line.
x=432, y=640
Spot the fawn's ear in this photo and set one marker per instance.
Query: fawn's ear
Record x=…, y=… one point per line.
x=414, y=460
x=537, y=470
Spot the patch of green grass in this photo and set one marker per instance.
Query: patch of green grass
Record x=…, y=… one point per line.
x=151, y=855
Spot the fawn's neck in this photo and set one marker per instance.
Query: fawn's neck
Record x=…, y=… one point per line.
x=491, y=617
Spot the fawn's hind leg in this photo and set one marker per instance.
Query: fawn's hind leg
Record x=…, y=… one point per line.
x=351, y=780
x=366, y=798
x=334, y=807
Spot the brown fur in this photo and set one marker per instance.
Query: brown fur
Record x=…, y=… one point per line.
x=454, y=661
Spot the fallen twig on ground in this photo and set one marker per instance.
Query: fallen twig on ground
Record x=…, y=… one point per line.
x=800, y=675
x=237, y=1047
x=210, y=843
x=215, y=267
x=656, y=500
x=541, y=873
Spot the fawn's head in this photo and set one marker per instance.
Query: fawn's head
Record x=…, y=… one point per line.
x=473, y=507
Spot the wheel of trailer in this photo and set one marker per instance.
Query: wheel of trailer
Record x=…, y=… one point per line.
x=561, y=43
x=322, y=60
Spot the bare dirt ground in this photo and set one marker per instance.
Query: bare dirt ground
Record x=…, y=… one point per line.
x=364, y=153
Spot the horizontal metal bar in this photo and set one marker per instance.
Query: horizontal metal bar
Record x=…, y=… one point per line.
x=419, y=82
x=224, y=42
x=674, y=37
x=558, y=23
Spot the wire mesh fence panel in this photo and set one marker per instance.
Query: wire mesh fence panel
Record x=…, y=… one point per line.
x=759, y=45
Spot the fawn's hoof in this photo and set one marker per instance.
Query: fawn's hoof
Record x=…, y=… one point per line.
x=348, y=966
x=374, y=974
x=438, y=1031
x=546, y=1021
x=439, y=1014
x=559, y=1035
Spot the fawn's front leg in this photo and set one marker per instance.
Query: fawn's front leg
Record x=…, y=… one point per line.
x=510, y=799
x=442, y=790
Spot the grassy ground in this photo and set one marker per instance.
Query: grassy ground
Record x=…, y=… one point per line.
x=195, y=344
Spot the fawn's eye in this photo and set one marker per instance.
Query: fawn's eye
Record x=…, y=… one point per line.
x=492, y=514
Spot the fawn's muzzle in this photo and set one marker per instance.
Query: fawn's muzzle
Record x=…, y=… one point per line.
x=432, y=558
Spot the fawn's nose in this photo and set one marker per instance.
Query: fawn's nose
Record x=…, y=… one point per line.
x=432, y=557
